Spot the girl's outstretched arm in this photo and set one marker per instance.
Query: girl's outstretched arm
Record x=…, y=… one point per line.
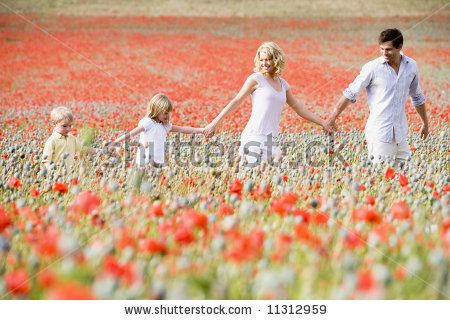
x=186, y=129
x=129, y=135
x=248, y=87
x=305, y=113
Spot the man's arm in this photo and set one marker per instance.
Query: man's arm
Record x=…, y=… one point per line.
x=424, y=130
x=418, y=101
x=340, y=106
x=363, y=80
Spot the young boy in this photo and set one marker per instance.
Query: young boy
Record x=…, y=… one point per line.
x=62, y=145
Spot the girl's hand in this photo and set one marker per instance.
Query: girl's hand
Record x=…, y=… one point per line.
x=209, y=130
x=109, y=147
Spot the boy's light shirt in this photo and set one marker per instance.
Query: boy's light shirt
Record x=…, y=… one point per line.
x=57, y=145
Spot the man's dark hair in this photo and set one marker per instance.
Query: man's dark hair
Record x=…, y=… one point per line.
x=393, y=35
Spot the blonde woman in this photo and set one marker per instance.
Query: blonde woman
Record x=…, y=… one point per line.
x=153, y=130
x=269, y=92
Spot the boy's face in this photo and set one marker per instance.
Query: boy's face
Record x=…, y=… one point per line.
x=63, y=127
x=163, y=117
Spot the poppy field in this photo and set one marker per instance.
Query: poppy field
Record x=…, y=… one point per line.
x=323, y=223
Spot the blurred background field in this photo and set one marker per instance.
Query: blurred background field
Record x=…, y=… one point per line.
x=246, y=8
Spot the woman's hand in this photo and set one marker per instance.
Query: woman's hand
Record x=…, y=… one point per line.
x=328, y=126
x=209, y=130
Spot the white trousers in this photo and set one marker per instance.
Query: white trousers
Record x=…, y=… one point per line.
x=379, y=151
x=256, y=148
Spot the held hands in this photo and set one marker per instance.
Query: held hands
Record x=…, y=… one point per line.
x=209, y=130
x=109, y=147
x=329, y=125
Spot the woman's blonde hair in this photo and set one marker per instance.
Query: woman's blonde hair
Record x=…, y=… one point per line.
x=160, y=103
x=275, y=53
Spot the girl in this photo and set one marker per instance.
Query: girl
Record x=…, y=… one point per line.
x=269, y=93
x=153, y=129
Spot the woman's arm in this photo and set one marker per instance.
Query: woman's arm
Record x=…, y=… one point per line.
x=186, y=129
x=305, y=113
x=247, y=88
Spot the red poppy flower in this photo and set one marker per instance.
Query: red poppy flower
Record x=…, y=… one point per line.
x=366, y=214
x=17, y=282
x=184, y=236
x=192, y=219
x=304, y=213
x=370, y=200
x=86, y=202
x=262, y=193
x=151, y=245
x=366, y=281
x=319, y=218
x=156, y=210
x=245, y=247
x=46, y=278
x=236, y=187
x=353, y=239
x=34, y=193
x=403, y=180
x=225, y=210
x=389, y=174
x=400, y=210
x=60, y=187
x=5, y=219
x=47, y=243
x=70, y=291
x=15, y=183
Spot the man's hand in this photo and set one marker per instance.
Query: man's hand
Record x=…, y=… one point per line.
x=330, y=125
x=424, y=131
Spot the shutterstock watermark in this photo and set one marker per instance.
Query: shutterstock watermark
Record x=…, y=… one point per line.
x=289, y=151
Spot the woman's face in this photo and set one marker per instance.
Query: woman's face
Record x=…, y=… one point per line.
x=266, y=63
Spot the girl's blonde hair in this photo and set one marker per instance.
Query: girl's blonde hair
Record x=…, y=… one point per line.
x=275, y=53
x=160, y=103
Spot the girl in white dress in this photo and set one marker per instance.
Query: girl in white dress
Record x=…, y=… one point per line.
x=269, y=92
x=153, y=130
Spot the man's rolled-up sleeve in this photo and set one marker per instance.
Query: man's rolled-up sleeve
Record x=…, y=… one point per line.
x=361, y=81
x=415, y=92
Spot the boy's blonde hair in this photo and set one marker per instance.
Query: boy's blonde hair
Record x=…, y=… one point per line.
x=275, y=53
x=61, y=113
x=160, y=103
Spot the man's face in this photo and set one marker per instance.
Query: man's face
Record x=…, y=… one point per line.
x=389, y=52
x=64, y=127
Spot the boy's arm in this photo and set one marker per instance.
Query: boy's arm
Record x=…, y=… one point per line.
x=47, y=154
x=186, y=129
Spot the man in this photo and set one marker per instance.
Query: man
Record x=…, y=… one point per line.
x=388, y=81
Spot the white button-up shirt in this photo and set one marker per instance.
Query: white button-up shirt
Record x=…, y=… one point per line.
x=387, y=92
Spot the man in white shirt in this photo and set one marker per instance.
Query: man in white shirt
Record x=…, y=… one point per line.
x=388, y=81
